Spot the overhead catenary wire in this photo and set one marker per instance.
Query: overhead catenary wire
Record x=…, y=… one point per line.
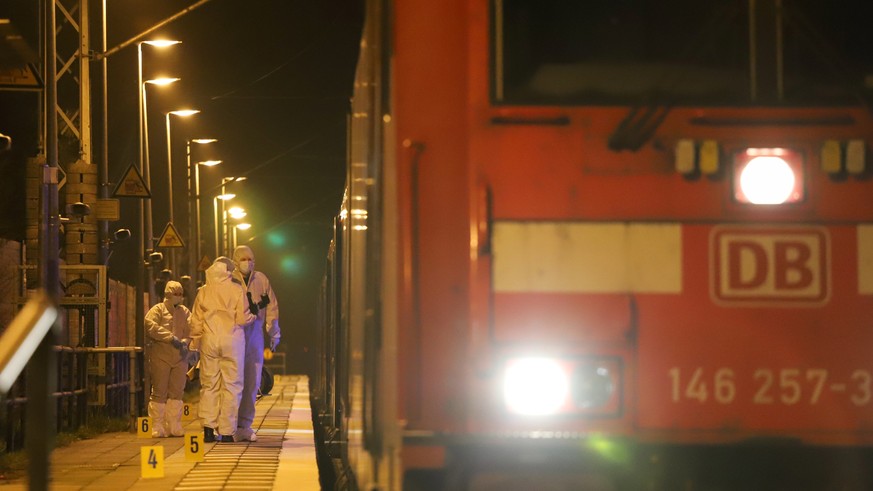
x=279, y=67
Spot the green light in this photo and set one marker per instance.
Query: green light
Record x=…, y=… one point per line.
x=276, y=239
x=610, y=450
x=290, y=265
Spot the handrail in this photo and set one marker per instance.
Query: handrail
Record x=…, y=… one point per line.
x=108, y=349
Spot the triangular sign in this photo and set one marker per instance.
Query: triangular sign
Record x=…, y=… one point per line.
x=204, y=263
x=131, y=185
x=23, y=77
x=170, y=237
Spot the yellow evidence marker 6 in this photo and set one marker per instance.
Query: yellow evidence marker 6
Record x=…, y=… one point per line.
x=194, y=449
x=151, y=461
x=144, y=427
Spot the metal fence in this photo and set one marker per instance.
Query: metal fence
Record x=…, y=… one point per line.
x=99, y=367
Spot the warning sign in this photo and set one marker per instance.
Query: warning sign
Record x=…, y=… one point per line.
x=132, y=185
x=170, y=237
x=204, y=264
x=20, y=78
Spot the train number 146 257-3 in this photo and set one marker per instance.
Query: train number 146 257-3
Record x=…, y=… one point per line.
x=787, y=386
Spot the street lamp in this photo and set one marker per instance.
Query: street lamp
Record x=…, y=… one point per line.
x=194, y=203
x=217, y=221
x=237, y=213
x=182, y=113
x=160, y=82
x=221, y=234
x=239, y=226
x=145, y=213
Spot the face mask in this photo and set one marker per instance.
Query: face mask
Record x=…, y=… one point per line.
x=175, y=300
x=246, y=266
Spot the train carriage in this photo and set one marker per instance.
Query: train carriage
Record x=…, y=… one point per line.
x=604, y=245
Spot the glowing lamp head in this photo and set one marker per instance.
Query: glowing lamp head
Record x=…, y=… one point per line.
x=535, y=386
x=768, y=176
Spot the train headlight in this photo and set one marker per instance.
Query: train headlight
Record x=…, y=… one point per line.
x=768, y=176
x=535, y=386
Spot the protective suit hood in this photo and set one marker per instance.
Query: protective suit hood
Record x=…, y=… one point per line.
x=244, y=257
x=243, y=250
x=219, y=271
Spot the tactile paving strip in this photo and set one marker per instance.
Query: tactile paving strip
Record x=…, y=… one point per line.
x=246, y=465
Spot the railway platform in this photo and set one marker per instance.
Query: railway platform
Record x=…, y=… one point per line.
x=282, y=458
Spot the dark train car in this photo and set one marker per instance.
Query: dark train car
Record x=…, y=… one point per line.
x=604, y=245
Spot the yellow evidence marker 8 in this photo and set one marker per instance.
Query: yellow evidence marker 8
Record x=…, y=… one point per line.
x=151, y=461
x=188, y=412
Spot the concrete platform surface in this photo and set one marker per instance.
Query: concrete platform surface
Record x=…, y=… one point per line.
x=282, y=458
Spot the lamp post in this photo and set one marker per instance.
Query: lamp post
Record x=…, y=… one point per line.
x=184, y=113
x=145, y=213
x=219, y=239
x=237, y=226
x=194, y=204
x=227, y=244
x=221, y=234
x=149, y=235
x=235, y=213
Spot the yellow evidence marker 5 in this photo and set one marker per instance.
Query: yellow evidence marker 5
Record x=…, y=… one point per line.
x=194, y=448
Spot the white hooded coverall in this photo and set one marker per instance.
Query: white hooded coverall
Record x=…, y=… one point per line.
x=219, y=312
x=267, y=320
x=167, y=325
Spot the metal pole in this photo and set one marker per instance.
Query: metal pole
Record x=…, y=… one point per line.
x=753, y=48
x=171, y=253
x=143, y=269
x=42, y=372
x=194, y=193
x=151, y=29
x=146, y=175
x=103, y=169
x=141, y=279
x=198, y=252
x=170, y=168
x=215, y=223
x=223, y=218
x=193, y=238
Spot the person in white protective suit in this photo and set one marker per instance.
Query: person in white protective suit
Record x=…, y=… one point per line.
x=168, y=336
x=219, y=313
x=263, y=304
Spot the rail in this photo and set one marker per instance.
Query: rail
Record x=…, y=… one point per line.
x=80, y=394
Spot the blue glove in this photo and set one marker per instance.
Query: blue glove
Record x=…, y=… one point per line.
x=273, y=343
x=176, y=342
x=193, y=357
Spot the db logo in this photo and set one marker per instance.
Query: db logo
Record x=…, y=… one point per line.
x=772, y=264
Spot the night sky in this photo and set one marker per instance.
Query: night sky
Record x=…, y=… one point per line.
x=273, y=80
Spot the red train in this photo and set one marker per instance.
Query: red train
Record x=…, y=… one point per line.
x=604, y=245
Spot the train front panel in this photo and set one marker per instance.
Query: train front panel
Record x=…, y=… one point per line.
x=580, y=256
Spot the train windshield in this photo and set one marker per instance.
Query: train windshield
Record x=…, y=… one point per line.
x=722, y=52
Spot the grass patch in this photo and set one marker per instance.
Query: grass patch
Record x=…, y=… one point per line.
x=13, y=464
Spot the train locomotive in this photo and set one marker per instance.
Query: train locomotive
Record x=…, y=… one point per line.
x=603, y=245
